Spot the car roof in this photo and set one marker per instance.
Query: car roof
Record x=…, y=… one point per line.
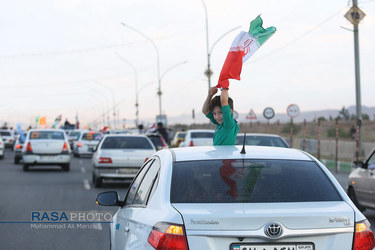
x=46, y=129
x=233, y=152
x=258, y=134
x=200, y=130
x=124, y=135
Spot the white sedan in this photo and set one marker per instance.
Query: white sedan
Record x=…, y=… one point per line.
x=46, y=147
x=2, y=147
x=86, y=143
x=120, y=156
x=227, y=198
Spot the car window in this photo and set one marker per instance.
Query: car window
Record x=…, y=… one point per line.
x=128, y=142
x=371, y=162
x=156, y=140
x=202, y=135
x=5, y=133
x=75, y=134
x=146, y=185
x=136, y=182
x=250, y=181
x=92, y=136
x=47, y=135
x=261, y=141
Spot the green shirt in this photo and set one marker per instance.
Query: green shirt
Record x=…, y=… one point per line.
x=225, y=133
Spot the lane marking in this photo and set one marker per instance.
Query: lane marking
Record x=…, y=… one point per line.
x=80, y=161
x=86, y=184
x=83, y=170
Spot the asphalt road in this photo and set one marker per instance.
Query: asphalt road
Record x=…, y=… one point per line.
x=48, y=189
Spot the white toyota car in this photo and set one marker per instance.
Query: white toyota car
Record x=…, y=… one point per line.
x=46, y=147
x=235, y=198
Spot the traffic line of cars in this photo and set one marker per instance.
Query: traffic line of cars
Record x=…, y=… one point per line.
x=266, y=196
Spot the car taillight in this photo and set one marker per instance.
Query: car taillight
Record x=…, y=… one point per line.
x=79, y=144
x=105, y=160
x=18, y=146
x=191, y=143
x=28, y=148
x=65, y=147
x=363, y=236
x=167, y=236
x=146, y=159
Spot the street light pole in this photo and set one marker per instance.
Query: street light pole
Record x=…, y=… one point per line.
x=136, y=88
x=355, y=15
x=159, y=93
x=113, y=100
x=208, y=71
x=357, y=83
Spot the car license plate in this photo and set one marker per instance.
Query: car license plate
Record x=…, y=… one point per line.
x=128, y=170
x=288, y=246
x=47, y=157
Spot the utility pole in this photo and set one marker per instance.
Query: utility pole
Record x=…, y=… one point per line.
x=355, y=15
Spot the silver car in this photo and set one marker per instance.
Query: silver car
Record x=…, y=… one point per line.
x=361, y=183
x=198, y=137
x=46, y=147
x=257, y=139
x=229, y=198
x=86, y=143
x=8, y=137
x=2, y=148
x=119, y=157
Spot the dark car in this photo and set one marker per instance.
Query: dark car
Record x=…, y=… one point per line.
x=157, y=140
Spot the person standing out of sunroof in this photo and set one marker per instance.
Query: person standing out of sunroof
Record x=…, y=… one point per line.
x=219, y=109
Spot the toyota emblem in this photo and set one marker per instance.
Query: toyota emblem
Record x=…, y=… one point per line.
x=273, y=230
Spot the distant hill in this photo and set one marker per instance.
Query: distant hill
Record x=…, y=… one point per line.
x=282, y=117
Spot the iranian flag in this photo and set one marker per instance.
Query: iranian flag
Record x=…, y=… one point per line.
x=243, y=47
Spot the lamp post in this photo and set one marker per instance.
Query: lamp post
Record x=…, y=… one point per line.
x=159, y=93
x=355, y=15
x=208, y=71
x=136, y=88
x=113, y=100
x=170, y=68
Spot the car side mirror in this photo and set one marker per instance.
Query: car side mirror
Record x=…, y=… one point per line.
x=358, y=164
x=109, y=198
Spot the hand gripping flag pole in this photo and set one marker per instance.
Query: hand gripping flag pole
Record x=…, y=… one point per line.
x=243, y=47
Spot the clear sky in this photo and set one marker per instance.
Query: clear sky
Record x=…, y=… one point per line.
x=59, y=57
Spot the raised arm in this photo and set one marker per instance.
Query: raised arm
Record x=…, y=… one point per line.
x=224, y=97
x=206, y=105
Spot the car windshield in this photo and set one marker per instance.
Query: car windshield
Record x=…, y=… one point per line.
x=129, y=142
x=4, y=133
x=261, y=141
x=92, y=136
x=181, y=136
x=250, y=181
x=75, y=134
x=202, y=135
x=156, y=140
x=47, y=135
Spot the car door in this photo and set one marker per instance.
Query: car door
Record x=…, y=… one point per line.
x=365, y=183
x=130, y=234
x=371, y=178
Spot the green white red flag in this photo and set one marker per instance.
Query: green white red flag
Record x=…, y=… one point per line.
x=243, y=47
